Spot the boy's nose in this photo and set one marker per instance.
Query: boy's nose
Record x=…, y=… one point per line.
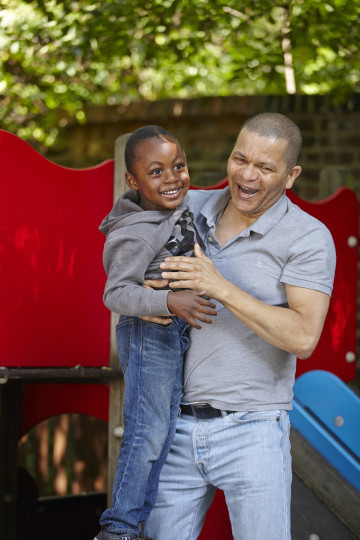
x=169, y=177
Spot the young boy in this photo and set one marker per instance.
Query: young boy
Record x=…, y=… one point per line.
x=148, y=223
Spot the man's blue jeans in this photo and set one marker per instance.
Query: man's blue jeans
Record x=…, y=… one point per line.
x=247, y=455
x=151, y=358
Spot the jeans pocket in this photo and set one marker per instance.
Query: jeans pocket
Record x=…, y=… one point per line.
x=255, y=416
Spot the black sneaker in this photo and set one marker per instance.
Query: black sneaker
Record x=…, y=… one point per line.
x=103, y=535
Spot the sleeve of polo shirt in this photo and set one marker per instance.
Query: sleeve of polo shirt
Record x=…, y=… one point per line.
x=311, y=260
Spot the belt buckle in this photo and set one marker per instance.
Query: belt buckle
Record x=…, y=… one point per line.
x=195, y=407
x=200, y=409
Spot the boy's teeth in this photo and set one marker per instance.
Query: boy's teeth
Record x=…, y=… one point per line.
x=172, y=191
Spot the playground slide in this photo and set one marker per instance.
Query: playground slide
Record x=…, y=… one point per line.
x=326, y=449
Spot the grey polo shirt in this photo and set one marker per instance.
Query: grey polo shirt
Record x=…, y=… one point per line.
x=228, y=365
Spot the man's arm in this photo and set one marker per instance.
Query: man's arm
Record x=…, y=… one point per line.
x=295, y=329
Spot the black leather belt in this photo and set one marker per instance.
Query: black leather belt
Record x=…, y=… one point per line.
x=202, y=411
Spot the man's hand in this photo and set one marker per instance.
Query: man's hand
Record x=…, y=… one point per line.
x=190, y=305
x=157, y=284
x=197, y=273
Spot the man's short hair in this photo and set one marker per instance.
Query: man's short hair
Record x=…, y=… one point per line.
x=277, y=126
x=140, y=135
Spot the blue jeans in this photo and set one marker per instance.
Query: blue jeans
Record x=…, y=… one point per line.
x=247, y=455
x=151, y=358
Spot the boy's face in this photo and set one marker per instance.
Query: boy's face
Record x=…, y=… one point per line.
x=160, y=174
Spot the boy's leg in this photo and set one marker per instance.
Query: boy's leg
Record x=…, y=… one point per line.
x=152, y=487
x=184, y=494
x=150, y=359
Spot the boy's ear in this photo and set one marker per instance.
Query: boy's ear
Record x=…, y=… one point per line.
x=131, y=182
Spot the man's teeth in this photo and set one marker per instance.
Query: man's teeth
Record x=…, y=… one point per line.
x=248, y=191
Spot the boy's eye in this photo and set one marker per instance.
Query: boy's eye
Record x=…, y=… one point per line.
x=179, y=166
x=156, y=171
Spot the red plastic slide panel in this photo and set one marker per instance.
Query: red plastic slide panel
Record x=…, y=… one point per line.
x=51, y=273
x=336, y=351
x=217, y=523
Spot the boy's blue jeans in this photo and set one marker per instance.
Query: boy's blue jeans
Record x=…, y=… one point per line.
x=151, y=358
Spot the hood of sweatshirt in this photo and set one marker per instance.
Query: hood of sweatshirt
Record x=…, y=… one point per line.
x=127, y=211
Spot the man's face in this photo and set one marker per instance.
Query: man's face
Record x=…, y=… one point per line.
x=258, y=174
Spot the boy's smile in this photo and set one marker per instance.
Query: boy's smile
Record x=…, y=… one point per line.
x=159, y=174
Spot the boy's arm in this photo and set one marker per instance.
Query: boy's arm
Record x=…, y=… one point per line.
x=157, y=284
x=124, y=292
x=188, y=305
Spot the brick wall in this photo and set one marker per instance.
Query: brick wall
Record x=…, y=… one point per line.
x=207, y=128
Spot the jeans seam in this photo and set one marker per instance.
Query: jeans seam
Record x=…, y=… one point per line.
x=194, y=520
x=129, y=323
x=285, y=512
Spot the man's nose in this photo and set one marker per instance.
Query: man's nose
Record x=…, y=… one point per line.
x=249, y=172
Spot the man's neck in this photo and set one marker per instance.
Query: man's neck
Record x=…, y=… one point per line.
x=231, y=223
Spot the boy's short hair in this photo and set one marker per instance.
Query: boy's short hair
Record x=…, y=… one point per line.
x=140, y=135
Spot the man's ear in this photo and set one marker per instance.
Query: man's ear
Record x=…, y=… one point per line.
x=131, y=182
x=293, y=174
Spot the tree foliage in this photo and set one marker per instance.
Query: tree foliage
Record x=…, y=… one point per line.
x=56, y=57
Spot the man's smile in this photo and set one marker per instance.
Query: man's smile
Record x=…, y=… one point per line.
x=248, y=192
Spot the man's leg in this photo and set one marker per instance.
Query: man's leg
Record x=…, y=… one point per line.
x=251, y=463
x=184, y=494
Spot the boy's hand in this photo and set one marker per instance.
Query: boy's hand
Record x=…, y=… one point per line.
x=190, y=305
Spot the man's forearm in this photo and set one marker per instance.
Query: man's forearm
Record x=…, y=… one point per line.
x=295, y=331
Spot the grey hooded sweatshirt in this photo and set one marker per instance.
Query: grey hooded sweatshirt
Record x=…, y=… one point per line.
x=137, y=241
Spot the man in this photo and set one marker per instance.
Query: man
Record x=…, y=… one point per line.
x=270, y=270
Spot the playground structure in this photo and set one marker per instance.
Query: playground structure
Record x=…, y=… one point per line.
x=57, y=347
